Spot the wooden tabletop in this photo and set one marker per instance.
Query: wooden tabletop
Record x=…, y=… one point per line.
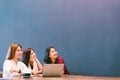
x=66, y=77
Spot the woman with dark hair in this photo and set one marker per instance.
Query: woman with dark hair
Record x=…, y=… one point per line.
x=51, y=57
x=31, y=61
x=12, y=66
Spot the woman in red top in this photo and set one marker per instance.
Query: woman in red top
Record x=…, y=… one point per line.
x=52, y=57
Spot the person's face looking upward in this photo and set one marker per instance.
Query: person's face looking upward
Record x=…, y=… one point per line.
x=53, y=53
x=32, y=55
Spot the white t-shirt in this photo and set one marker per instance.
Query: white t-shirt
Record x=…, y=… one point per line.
x=35, y=67
x=8, y=64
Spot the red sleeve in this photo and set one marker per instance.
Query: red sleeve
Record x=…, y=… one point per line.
x=60, y=60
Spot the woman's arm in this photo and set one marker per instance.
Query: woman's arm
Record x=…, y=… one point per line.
x=60, y=60
x=8, y=66
x=23, y=68
x=39, y=65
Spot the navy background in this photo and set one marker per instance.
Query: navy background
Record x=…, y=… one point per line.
x=86, y=33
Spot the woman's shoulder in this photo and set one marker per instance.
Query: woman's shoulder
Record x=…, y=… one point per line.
x=7, y=61
x=60, y=57
x=20, y=63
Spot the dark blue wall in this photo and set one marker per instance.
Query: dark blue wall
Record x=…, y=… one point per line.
x=85, y=32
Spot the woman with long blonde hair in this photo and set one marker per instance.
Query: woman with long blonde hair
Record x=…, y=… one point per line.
x=12, y=66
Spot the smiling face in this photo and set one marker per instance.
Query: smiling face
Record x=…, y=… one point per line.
x=18, y=53
x=53, y=53
x=32, y=55
x=14, y=51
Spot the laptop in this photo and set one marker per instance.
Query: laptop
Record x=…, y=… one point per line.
x=53, y=70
